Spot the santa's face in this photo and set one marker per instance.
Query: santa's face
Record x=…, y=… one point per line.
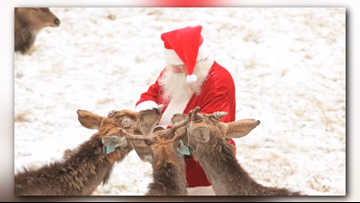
x=174, y=82
x=178, y=68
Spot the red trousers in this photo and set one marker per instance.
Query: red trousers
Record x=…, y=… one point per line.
x=195, y=175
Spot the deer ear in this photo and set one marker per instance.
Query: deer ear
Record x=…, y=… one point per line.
x=180, y=134
x=177, y=118
x=143, y=150
x=88, y=119
x=149, y=118
x=201, y=134
x=241, y=128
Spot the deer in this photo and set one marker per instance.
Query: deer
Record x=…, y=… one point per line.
x=92, y=162
x=28, y=22
x=206, y=140
x=161, y=149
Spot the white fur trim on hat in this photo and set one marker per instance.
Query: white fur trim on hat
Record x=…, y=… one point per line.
x=146, y=105
x=172, y=58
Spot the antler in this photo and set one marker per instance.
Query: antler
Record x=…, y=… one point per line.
x=131, y=136
x=219, y=114
x=196, y=117
x=181, y=124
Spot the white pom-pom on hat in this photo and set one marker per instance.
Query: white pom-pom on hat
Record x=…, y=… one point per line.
x=191, y=78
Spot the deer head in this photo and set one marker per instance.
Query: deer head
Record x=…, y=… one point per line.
x=142, y=123
x=204, y=127
x=108, y=127
x=147, y=147
x=37, y=18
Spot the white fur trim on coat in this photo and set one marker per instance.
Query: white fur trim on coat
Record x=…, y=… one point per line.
x=175, y=106
x=146, y=105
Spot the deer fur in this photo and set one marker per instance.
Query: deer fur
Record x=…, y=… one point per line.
x=86, y=167
x=28, y=22
x=206, y=138
x=162, y=151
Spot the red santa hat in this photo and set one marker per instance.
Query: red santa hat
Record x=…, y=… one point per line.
x=185, y=46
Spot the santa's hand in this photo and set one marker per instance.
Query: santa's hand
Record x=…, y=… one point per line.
x=160, y=107
x=149, y=105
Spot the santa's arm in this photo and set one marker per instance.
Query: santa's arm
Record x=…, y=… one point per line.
x=219, y=95
x=150, y=98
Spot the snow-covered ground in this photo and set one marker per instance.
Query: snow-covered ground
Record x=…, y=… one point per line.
x=288, y=65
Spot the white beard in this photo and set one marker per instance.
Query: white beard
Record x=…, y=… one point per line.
x=178, y=91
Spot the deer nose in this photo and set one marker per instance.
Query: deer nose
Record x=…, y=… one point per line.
x=57, y=22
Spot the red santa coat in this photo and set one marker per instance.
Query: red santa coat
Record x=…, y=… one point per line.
x=217, y=94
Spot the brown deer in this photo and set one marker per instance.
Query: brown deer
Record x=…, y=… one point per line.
x=87, y=166
x=161, y=149
x=206, y=138
x=28, y=22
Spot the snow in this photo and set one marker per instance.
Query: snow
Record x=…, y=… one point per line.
x=288, y=65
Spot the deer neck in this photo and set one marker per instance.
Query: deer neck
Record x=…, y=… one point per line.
x=221, y=167
x=24, y=38
x=169, y=179
x=226, y=174
x=79, y=174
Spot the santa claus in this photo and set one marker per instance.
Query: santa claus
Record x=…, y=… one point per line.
x=191, y=78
